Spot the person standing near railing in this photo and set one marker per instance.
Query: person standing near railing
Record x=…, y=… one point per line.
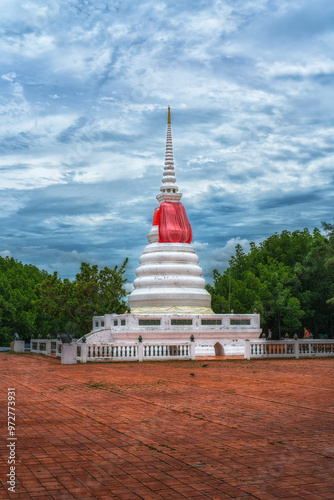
x=306, y=333
x=269, y=336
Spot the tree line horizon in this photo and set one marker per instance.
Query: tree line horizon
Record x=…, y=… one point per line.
x=288, y=279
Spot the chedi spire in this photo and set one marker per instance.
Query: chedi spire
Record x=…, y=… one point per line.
x=170, y=216
x=168, y=189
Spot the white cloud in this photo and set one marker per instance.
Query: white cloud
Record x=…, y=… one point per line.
x=223, y=254
x=106, y=98
x=28, y=45
x=129, y=287
x=200, y=246
x=309, y=68
x=25, y=176
x=9, y=76
x=5, y=253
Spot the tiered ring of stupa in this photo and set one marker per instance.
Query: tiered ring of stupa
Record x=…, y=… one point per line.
x=169, y=279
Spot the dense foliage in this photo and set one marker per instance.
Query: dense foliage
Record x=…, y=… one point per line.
x=18, y=311
x=93, y=292
x=288, y=279
x=35, y=303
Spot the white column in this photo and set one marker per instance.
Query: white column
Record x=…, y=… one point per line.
x=296, y=349
x=48, y=347
x=84, y=349
x=140, y=352
x=19, y=345
x=247, y=349
x=69, y=354
x=192, y=350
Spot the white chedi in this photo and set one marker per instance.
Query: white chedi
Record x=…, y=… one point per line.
x=169, y=278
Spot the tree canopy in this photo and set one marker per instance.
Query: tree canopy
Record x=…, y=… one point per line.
x=92, y=292
x=18, y=311
x=288, y=279
x=35, y=303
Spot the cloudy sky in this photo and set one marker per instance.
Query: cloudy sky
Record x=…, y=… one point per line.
x=85, y=86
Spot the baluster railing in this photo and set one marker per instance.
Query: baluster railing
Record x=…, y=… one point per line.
x=289, y=348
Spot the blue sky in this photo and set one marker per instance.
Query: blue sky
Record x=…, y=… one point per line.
x=84, y=90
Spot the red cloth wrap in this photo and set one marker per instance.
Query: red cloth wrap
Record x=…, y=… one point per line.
x=156, y=218
x=174, y=226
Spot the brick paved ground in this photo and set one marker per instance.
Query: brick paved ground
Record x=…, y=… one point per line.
x=260, y=429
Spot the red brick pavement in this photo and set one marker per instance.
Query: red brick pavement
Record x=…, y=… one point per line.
x=260, y=429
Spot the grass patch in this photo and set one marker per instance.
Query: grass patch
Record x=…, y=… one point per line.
x=166, y=446
x=161, y=382
x=95, y=384
x=152, y=448
x=16, y=353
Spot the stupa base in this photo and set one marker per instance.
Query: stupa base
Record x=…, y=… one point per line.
x=171, y=310
x=212, y=334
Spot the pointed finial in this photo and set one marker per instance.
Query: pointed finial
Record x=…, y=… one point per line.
x=169, y=190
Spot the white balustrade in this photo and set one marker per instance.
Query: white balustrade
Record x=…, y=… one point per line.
x=41, y=346
x=109, y=352
x=167, y=351
x=288, y=348
x=129, y=352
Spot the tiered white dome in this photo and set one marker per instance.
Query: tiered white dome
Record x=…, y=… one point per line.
x=169, y=278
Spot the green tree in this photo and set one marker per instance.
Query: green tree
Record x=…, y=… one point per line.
x=288, y=278
x=18, y=312
x=93, y=292
x=280, y=304
x=317, y=277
